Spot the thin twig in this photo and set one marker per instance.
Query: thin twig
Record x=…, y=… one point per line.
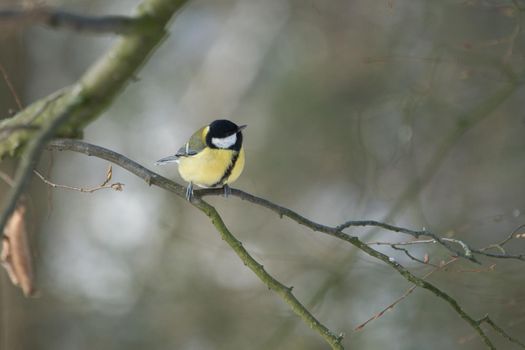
x=157, y=180
x=465, y=253
x=422, y=241
x=410, y=256
x=11, y=87
x=403, y=296
x=500, y=245
x=117, y=186
x=7, y=179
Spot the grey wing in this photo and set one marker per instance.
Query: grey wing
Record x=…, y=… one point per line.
x=186, y=151
x=193, y=146
x=190, y=148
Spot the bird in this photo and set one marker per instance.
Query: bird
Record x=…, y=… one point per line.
x=213, y=157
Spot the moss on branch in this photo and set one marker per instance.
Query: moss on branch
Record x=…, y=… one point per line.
x=99, y=85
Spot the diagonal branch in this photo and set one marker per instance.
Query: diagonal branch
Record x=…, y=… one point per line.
x=283, y=291
x=154, y=179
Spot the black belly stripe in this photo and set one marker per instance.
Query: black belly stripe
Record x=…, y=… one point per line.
x=228, y=171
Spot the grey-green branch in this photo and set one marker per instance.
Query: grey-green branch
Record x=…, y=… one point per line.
x=100, y=84
x=152, y=178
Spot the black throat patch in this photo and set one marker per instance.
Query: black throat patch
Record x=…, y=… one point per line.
x=228, y=171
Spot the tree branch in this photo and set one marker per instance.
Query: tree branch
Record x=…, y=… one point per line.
x=284, y=292
x=467, y=252
x=154, y=179
x=72, y=108
x=97, y=88
x=58, y=19
x=28, y=163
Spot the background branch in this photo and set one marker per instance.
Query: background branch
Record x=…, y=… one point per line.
x=102, y=82
x=59, y=19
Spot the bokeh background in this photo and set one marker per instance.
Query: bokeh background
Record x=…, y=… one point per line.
x=399, y=110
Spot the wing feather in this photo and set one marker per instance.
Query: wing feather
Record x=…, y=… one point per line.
x=195, y=145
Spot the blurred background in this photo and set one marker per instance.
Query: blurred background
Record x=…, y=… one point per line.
x=397, y=110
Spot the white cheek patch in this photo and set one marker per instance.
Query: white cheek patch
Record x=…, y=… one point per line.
x=224, y=142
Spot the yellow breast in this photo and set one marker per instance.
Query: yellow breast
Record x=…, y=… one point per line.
x=208, y=167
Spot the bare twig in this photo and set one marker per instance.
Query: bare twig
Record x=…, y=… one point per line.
x=157, y=180
x=465, y=253
x=421, y=241
x=491, y=268
x=500, y=245
x=410, y=256
x=7, y=179
x=117, y=186
x=11, y=87
x=403, y=296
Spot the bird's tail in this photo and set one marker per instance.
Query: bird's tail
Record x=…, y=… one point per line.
x=166, y=160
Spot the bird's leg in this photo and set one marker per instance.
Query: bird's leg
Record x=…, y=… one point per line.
x=189, y=191
x=227, y=190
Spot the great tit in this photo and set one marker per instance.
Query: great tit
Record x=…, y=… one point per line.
x=212, y=157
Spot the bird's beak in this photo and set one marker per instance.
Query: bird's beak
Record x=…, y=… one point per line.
x=241, y=127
